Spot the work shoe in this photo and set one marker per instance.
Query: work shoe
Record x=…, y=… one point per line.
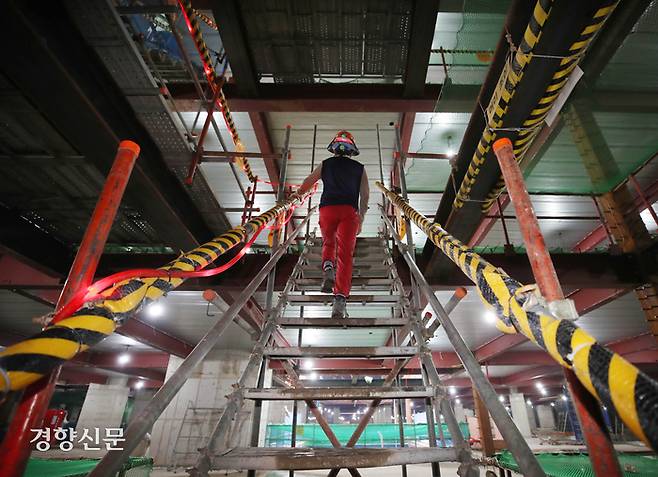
x=339, y=310
x=328, y=280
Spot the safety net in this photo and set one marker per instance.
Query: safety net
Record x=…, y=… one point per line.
x=133, y=467
x=579, y=465
x=375, y=435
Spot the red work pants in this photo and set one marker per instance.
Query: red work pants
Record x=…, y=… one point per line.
x=339, y=225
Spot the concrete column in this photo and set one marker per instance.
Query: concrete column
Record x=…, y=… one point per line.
x=520, y=413
x=197, y=407
x=103, y=408
x=408, y=411
x=383, y=415
x=533, y=417
x=545, y=415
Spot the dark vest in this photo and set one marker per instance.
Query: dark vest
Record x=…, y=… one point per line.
x=341, y=181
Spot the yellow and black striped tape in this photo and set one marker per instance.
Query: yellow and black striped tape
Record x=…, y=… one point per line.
x=609, y=377
x=212, y=79
x=560, y=77
x=498, y=105
x=29, y=360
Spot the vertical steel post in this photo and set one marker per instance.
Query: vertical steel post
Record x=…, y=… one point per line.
x=602, y=220
x=601, y=451
x=486, y=434
x=515, y=441
x=399, y=402
x=15, y=449
x=202, y=137
x=429, y=418
x=643, y=197
x=310, y=199
x=258, y=410
x=281, y=192
x=113, y=460
x=381, y=176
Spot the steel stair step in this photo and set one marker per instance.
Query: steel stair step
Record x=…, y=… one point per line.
x=316, y=259
x=339, y=394
x=358, y=283
x=309, y=458
x=318, y=323
x=325, y=298
x=341, y=352
x=370, y=272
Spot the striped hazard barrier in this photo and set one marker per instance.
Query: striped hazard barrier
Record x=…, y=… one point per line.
x=610, y=378
x=94, y=320
x=509, y=80
x=191, y=19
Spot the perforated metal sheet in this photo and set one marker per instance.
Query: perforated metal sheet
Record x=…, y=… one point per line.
x=103, y=30
x=299, y=41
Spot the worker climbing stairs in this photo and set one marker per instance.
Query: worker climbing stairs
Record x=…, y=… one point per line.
x=378, y=301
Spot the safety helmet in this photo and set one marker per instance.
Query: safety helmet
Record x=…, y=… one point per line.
x=343, y=144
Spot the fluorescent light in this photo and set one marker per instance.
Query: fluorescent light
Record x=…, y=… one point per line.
x=529, y=402
x=539, y=385
x=412, y=404
x=458, y=401
x=124, y=359
x=314, y=376
x=501, y=398
x=452, y=390
x=307, y=364
x=564, y=398
x=139, y=384
x=155, y=310
x=543, y=391
x=553, y=404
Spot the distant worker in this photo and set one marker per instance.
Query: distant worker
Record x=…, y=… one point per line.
x=343, y=207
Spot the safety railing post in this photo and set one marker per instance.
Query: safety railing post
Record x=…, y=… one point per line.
x=601, y=451
x=515, y=441
x=113, y=460
x=15, y=449
x=315, y=134
x=280, y=196
x=196, y=158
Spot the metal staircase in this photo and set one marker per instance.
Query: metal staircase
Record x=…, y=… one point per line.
x=378, y=300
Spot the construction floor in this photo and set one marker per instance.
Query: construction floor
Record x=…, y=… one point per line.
x=416, y=470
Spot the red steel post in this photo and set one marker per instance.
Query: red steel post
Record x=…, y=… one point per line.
x=202, y=137
x=601, y=451
x=643, y=197
x=15, y=449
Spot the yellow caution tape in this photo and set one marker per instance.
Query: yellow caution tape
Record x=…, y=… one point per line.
x=504, y=92
x=29, y=360
x=610, y=378
x=191, y=14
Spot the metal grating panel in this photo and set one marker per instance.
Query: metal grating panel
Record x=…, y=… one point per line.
x=46, y=181
x=102, y=28
x=303, y=42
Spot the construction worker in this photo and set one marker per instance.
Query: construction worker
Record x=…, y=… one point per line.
x=343, y=206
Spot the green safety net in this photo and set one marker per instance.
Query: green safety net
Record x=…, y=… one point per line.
x=578, y=465
x=134, y=467
x=621, y=125
x=375, y=435
x=468, y=38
